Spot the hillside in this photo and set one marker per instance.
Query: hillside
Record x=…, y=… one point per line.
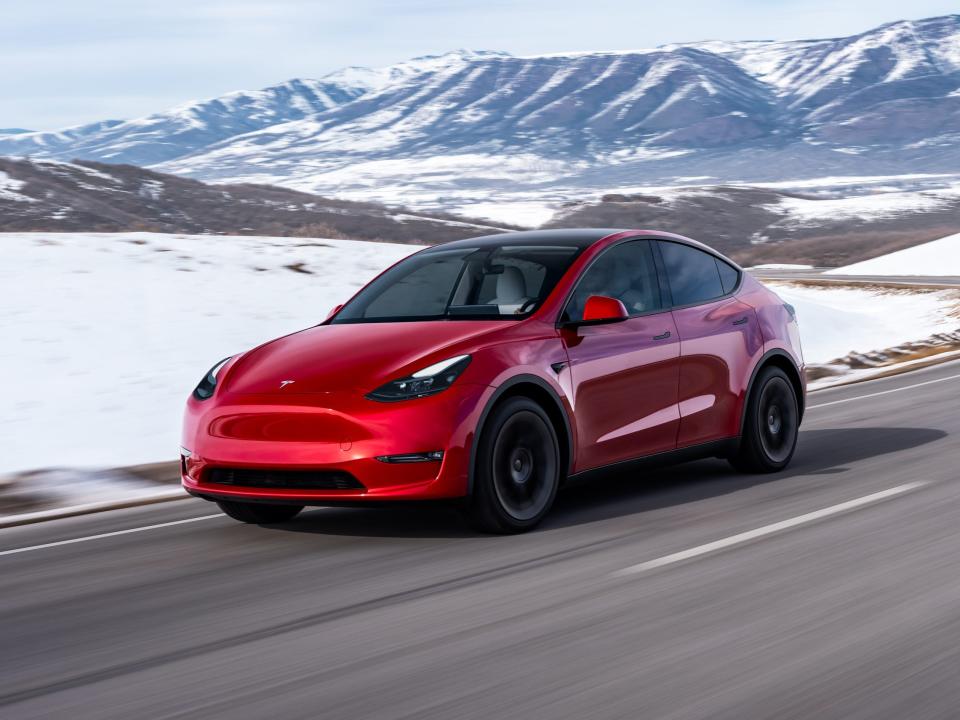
x=763, y=225
x=752, y=224
x=44, y=195
x=466, y=129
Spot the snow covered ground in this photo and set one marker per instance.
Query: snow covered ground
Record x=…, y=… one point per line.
x=937, y=258
x=835, y=321
x=104, y=335
x=804, y=212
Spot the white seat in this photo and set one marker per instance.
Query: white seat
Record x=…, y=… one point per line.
x=511, y=291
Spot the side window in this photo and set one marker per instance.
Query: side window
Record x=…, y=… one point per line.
x=729, y=275
x=693, y=274
x=626, y=272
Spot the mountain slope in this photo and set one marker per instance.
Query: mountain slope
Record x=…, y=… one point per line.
x=52, y=196
x=466, y=127
x=185, y=128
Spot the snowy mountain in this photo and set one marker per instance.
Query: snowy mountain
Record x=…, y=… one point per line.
x=471, y=128
x=188, y=127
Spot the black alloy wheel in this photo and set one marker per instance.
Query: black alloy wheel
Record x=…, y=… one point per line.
x=771, y=424
x=518, y=468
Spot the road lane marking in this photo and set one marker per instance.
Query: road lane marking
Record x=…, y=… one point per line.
x=884, y=392
x=769, y=529
x=109, y=534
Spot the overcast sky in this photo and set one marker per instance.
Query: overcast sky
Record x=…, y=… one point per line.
x=67, y=62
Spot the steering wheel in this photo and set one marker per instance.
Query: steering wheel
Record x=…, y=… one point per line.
x=527, y=305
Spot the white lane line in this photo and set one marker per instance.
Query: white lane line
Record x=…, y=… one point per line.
x=884, y=392
x=769, y=529
x=109, y=534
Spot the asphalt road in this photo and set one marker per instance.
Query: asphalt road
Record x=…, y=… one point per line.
x=831, y=590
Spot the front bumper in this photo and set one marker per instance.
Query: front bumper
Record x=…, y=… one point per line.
x=338, y=431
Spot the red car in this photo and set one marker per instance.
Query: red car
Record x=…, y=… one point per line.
x=491, y=369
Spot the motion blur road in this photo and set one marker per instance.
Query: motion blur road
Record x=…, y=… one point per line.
x=831, y=590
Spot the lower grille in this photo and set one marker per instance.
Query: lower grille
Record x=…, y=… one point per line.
x=285, y=479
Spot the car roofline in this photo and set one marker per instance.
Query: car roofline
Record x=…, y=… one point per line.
x=581, y=238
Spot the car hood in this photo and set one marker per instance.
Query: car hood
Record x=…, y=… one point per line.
x=363, y=356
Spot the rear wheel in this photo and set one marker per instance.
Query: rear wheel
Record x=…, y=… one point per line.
x=771, y=424
x=258, y=513
x=518, y=469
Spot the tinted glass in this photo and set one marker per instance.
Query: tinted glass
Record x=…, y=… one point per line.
x=626, y=272
x=423, y=291
x=693, y=274
x=490, y=282
x=729, y=275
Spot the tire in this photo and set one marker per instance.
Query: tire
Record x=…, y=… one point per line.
x=517, y=469
x=257, y=513
x=771, y=424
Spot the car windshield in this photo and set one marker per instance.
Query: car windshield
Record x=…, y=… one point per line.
x=505, y=282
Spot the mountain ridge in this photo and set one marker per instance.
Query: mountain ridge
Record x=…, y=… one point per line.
x=476, y=126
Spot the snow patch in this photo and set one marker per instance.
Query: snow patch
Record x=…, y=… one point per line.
x=9, y=187
x=814, y=211
x=937, y=258
x=529, y=214
x=837, y=321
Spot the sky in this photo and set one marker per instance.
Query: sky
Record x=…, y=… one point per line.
x=68, y=62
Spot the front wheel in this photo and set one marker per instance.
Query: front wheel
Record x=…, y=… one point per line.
x=258, y=513
x=518, y=469
x=771, y=424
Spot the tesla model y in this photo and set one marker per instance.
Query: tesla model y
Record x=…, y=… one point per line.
x=490, y=370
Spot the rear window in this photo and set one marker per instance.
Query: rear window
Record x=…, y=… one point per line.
x=693, y=274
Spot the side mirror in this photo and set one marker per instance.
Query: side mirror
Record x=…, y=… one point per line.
x=333, y=312
x=602, y=309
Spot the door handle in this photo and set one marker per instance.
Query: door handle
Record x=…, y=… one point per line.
x=662, y=337
x=741, y=321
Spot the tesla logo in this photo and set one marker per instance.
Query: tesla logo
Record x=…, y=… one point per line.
x=284, y=383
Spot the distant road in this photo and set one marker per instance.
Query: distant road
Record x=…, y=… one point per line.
x=828, y=591
x=948, y=281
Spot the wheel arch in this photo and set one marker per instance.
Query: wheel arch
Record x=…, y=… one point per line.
x=540, y=391
x=780, y=359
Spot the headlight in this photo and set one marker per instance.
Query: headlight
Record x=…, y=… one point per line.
x=430, y=380
x=206, y=386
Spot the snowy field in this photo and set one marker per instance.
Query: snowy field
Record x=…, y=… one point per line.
x=938, y=258
x=105, y=335
x=837, y=321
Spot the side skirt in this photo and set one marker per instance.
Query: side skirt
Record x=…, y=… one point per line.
x=715, y=448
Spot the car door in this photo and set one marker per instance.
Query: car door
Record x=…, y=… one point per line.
x=719, y=336
x=624, y=374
